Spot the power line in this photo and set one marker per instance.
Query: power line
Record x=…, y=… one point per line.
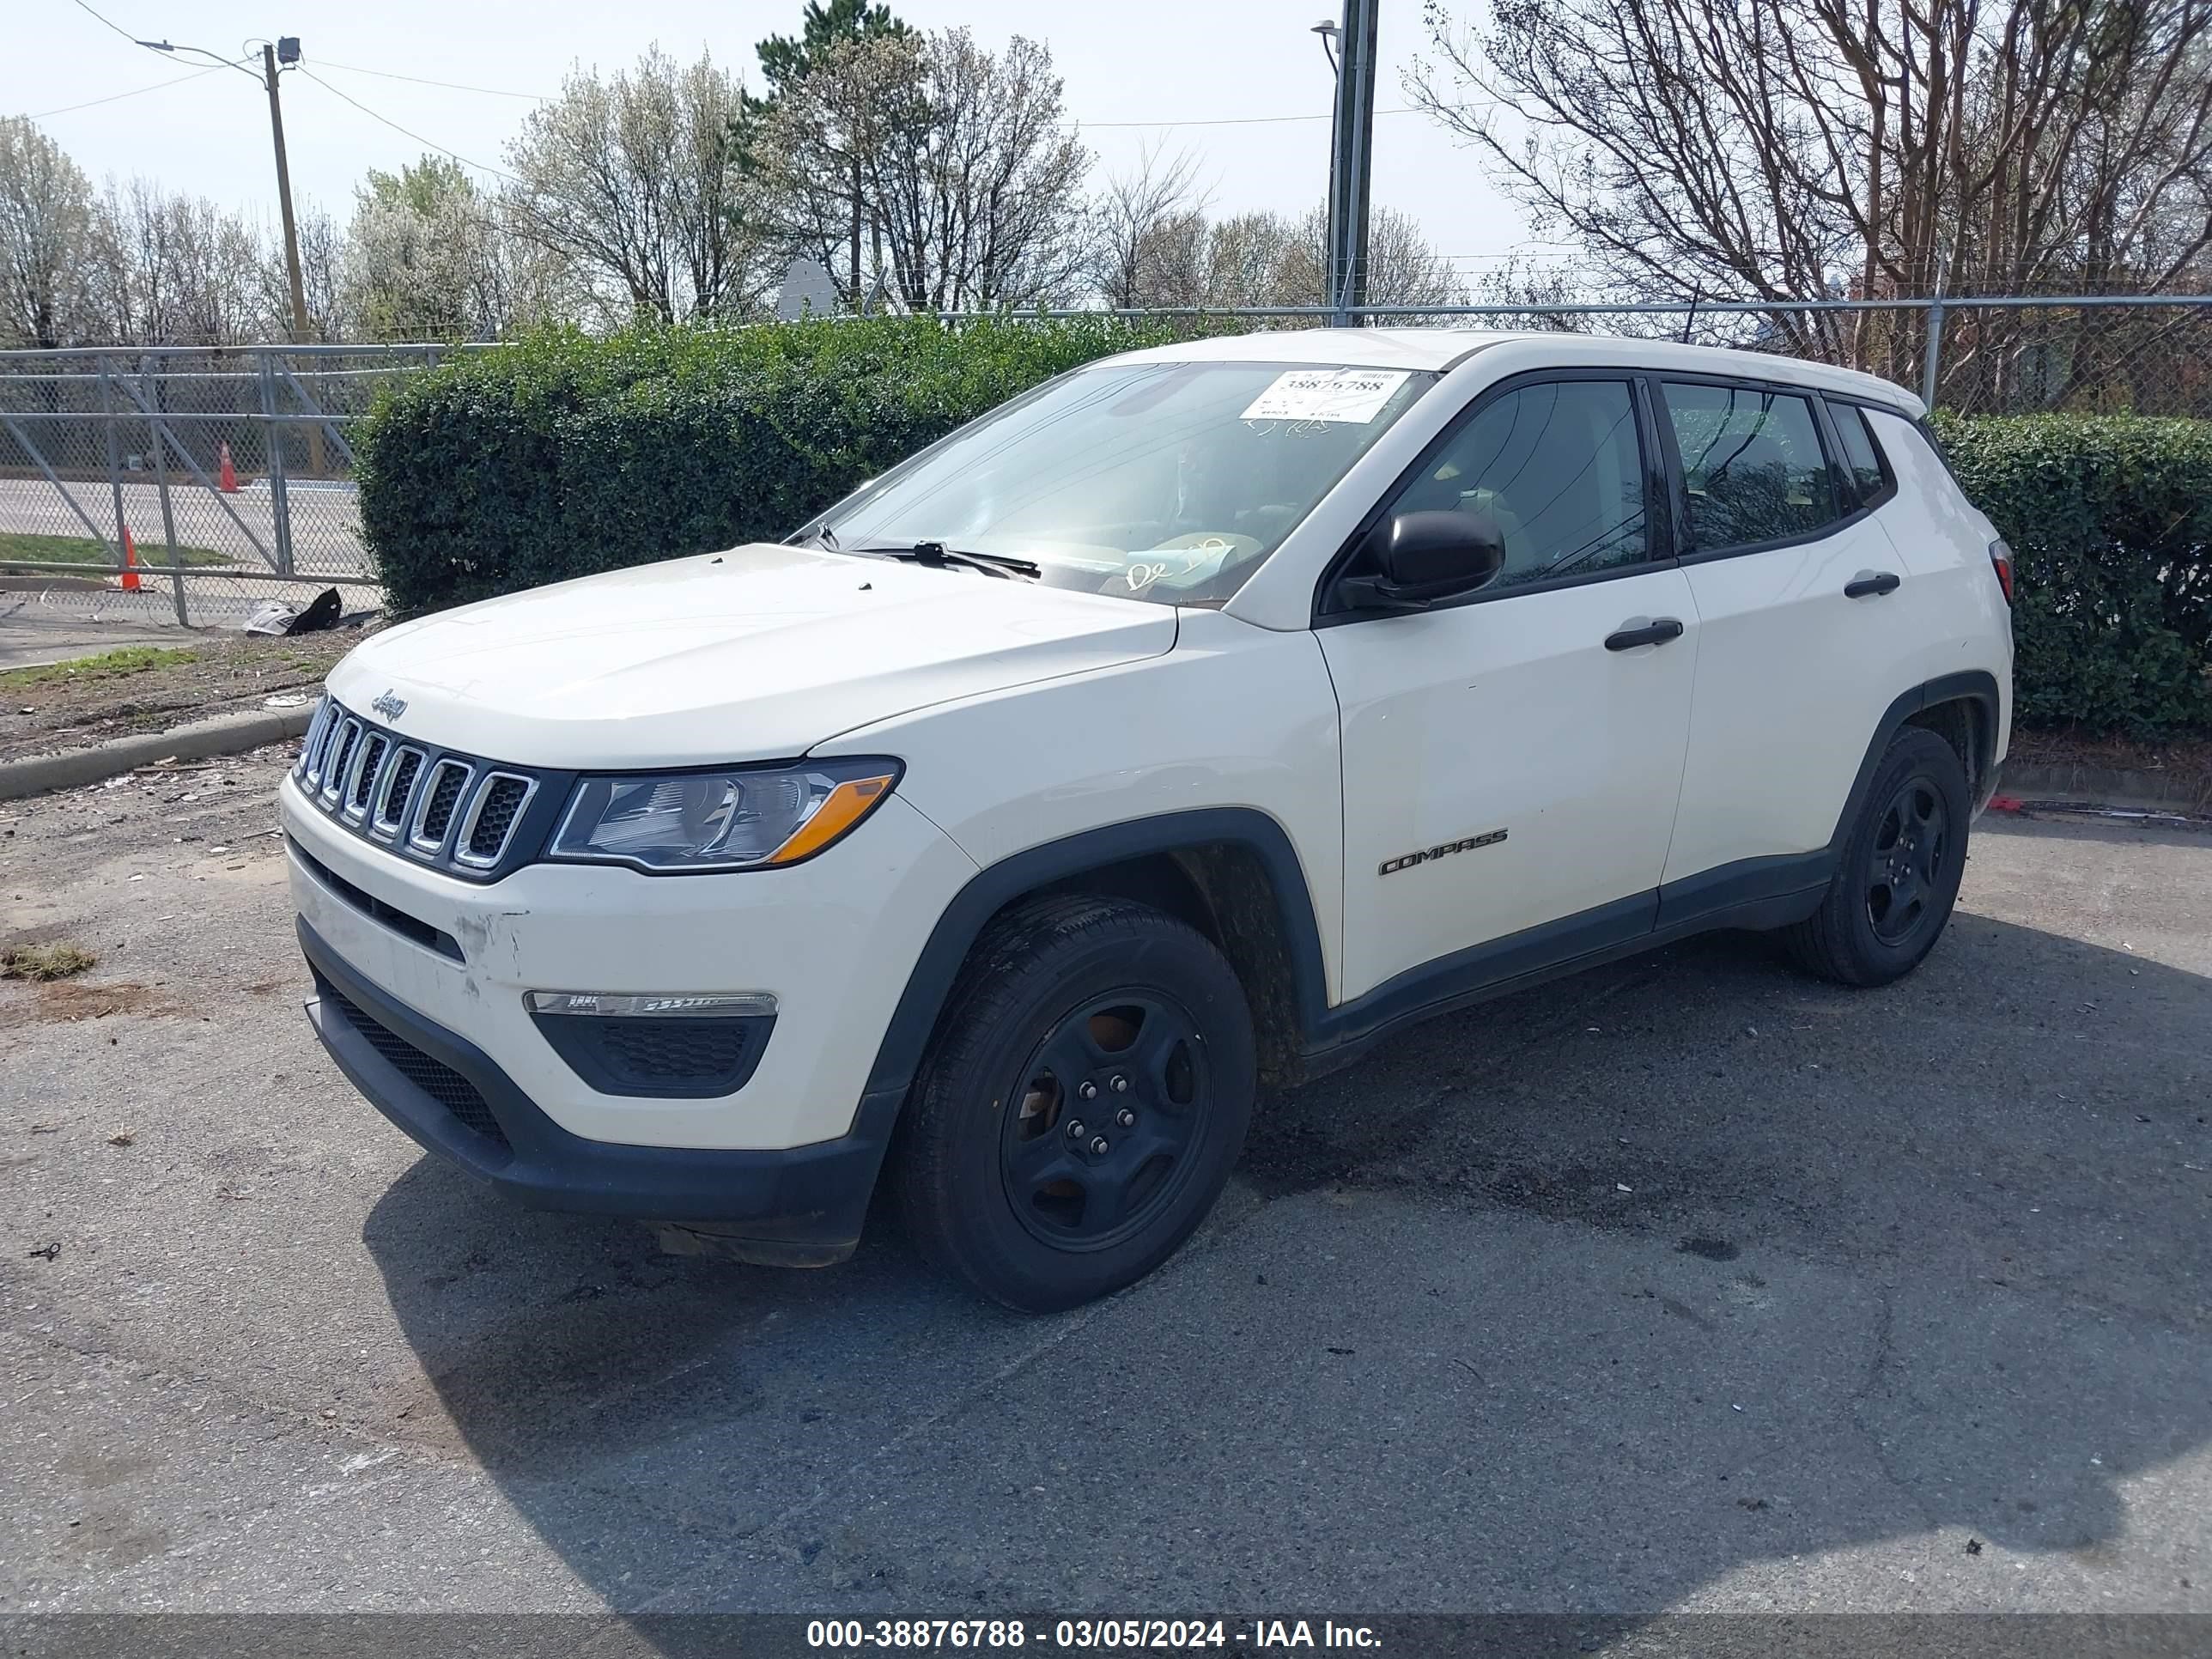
x=93, y=103
x=96, y=17
x=1202, y=121
x=423, y=80
x=405, y=132
x=1270, y=120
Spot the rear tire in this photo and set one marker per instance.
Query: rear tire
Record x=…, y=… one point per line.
x=1083, y=1101
x=1897, y=878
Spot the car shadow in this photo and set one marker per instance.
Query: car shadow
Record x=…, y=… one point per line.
x=1944, y=1236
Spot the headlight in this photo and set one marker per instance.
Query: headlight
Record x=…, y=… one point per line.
x=742, y=819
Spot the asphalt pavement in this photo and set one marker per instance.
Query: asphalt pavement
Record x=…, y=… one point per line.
x=1689, y=1284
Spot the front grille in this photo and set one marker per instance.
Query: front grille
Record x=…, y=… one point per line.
x=492, y=818
x=372, y=752
x=445, y=795
x=468, y=817
x=398, y=789
x=334, y=774
x=434, y=1077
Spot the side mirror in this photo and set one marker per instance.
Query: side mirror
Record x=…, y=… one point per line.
x=1424, y=557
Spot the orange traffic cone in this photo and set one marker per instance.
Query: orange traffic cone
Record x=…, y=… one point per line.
x=129, y=563
x=225, y=476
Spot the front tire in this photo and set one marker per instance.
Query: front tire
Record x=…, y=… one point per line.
x=1084, y=1099
x=1891, y=895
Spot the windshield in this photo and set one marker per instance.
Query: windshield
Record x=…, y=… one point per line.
x=1170, y=481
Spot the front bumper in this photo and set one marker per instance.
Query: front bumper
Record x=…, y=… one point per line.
x=803, y=1206
x=833, y=939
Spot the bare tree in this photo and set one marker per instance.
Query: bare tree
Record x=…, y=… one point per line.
x=995, y=217
x=972, y=187
x=636, y=181
x=1150, y=235
x=322, y=248
x=177, y=270
x=1402, y=268
x=825, y=219
x=1259, y=259
x=1273, y=260
x=1537, y=290
x=45, y=232
x=1797, y=148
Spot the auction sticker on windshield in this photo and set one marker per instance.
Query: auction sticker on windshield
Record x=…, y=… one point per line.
x=1355, y=395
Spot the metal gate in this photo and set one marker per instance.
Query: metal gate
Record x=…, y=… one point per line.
x=187, y=484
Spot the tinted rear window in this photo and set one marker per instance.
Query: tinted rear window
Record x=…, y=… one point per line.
x=1752, y=466
x=1862, y=454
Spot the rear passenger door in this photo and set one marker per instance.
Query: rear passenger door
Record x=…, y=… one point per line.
x=1800, y=597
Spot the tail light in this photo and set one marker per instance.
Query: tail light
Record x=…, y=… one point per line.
x=2001, y=557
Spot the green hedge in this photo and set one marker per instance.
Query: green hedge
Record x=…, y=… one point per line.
x=2110, y=520
x=560, y=455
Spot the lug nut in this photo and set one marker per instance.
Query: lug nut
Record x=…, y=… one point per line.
x=1099, y=1147
x=1120, y=1084
x=1074, y=1130
x=1087, y=1091
x=1126, y=1118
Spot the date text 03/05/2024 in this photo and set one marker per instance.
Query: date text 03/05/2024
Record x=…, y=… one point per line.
x=855, y=1635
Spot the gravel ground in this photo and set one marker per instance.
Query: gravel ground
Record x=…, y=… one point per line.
x=1687, y=1284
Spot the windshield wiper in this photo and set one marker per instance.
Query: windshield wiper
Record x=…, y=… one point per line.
x=936, y=553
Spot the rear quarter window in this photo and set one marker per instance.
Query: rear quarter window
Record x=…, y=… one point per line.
x=1862, y=459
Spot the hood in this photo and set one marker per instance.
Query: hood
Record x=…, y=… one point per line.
x=757, y=654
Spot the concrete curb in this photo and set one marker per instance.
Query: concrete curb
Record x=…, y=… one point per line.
x=2106, y=786
x=226, y=734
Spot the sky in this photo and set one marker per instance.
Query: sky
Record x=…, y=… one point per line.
x=1140, y=74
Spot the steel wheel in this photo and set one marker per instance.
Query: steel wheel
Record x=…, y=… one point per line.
x=1909, y=855
x=1897, y=875
x=1111, y=1104
x=1081, y=1102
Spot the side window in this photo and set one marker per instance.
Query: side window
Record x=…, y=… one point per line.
x=1559, y=467
x=1752, y=465
x=1861, y=453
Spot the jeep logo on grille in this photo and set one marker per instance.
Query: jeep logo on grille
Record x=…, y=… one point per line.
x=390, y=707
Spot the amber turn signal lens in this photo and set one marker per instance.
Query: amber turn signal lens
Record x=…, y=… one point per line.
x=848, y=803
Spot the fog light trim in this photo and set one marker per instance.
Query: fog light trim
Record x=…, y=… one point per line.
x=612, y=1004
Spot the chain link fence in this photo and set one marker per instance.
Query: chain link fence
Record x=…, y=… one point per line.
x=187, y=484
x=2104, y=354
x=230, y=470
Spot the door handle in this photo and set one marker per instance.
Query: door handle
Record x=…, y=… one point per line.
x=1657, y=632
x=1870, y=583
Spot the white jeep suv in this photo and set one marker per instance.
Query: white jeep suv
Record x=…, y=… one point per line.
x=1186, y=724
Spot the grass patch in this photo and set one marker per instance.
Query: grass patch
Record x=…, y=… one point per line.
x=18, y=549
x=43, y=962
x=107, y=665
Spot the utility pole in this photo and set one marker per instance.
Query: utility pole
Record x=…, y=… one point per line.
x=288, y=49
x=291, y=47
x=284, y=53
x=1351, y=161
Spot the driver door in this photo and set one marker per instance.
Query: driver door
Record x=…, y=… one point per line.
x=1512, y=759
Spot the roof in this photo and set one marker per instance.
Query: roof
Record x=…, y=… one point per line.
x=1440, y=348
